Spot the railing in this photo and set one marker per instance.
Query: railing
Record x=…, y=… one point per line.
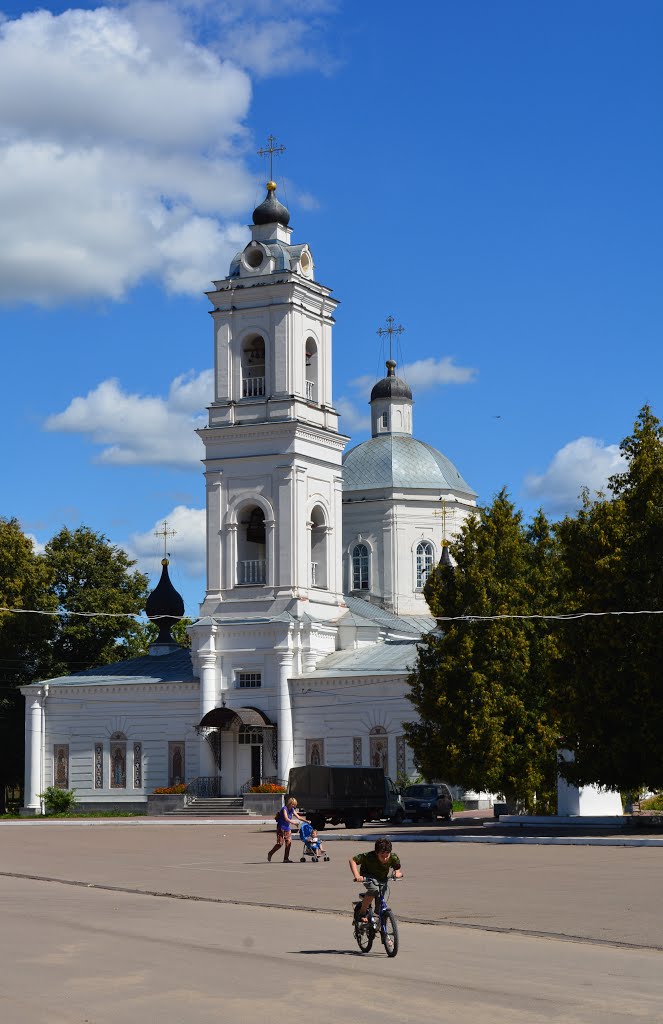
x=265, y=780
x=310, y=390
x=253, y=387
x=314, y=574
x=254, y=570
x=204, y=786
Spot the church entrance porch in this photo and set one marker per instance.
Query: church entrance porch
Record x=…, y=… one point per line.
x=243, y=742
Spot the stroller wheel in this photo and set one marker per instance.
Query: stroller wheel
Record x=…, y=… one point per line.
x=326, y=858
x=302, y=860
x=315, y=860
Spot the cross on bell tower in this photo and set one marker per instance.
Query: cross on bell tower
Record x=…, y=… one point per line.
x=270, y=150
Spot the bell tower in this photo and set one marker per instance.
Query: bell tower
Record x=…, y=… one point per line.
x=272, y=446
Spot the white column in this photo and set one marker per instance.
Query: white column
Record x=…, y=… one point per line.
x=207, y=663
x=33, y=750
x=285, y=740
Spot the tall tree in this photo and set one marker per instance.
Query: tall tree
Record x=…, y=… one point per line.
x=92, y=575
x=481, y=687
x=609, y=686
x=25, y=582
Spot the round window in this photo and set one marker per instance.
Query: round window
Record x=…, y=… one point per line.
x=254, y=257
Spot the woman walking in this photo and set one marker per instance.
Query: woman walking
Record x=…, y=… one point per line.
x=284, y=829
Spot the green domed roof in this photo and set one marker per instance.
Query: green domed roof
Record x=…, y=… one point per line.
x=398, y=461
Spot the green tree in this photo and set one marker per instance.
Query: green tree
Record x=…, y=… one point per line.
x=481, y=687
x=90, y=575
x=608, y=684
x=150, y=631
x=25, y=582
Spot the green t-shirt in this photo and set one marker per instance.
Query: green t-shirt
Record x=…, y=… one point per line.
x=370, y=865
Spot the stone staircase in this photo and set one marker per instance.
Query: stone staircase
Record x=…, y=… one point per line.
x=215, y=807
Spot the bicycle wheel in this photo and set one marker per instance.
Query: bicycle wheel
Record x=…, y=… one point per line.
x=363, y=935
x=389, y=933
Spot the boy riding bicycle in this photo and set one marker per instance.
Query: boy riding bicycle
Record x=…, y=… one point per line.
x=374, y=867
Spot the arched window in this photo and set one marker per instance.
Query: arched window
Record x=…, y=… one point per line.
x=311, y=373
x=318, y=548
x=251, y=547
x=424, y=562
x=253, y=367
x=360, y=566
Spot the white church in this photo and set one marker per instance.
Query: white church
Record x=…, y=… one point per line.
x=316, y=564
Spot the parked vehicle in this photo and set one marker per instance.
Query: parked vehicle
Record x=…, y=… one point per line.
x=340, y=793
x=428, y=800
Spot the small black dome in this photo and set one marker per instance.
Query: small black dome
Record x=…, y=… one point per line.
x=446, y=557
x=165, y=606
x=391, y=386
x=271, y=211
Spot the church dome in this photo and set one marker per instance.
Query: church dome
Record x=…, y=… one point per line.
x=400, y=462
x=164, y=606
x=271, y=211
x=391, y=386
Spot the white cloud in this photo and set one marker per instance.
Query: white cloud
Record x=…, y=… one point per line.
x=352, y=420
x=123, y=139
x=583, y=463
x=140, y=430
x=186, y=548
x=37, y=545
x=424, y=374
x=428, y=373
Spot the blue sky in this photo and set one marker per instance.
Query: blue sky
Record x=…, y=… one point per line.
x=487, y=173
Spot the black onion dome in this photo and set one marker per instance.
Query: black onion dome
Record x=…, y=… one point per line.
x=391, y=386
x=271, y=211
x=446, y=557
x=165, y=606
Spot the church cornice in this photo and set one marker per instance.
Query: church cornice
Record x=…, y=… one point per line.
x=242, y=432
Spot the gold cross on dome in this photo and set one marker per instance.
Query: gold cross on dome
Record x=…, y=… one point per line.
x=271, y=150
x=443, y=512
x=390, y=330
x=165, y=533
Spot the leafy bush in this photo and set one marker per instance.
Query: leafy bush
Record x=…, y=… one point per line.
x=58, y=801
x=267, y=787
x=652, y=803
x=180, y=788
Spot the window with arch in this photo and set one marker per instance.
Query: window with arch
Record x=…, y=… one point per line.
x=318, y=548
x=253, y=367
x=251, y=547
x=311, y=368
x=360, y=567
x=424, y=565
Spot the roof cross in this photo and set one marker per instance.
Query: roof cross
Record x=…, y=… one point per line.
x=165, y=533
x=443, y=512
x=390, y=330
x=271, y=150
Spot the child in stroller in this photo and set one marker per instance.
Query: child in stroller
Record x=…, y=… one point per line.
x=313, y=848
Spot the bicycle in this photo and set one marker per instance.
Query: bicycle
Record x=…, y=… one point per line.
x=380, y=922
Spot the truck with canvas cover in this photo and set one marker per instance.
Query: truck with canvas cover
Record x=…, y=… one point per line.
x=353, y=795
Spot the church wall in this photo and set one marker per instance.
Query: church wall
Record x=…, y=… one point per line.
x=153, y=717
x=340, y=712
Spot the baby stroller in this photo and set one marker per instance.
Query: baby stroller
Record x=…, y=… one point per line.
x=311, y=844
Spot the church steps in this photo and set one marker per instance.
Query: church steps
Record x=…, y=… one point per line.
x=223, y=806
